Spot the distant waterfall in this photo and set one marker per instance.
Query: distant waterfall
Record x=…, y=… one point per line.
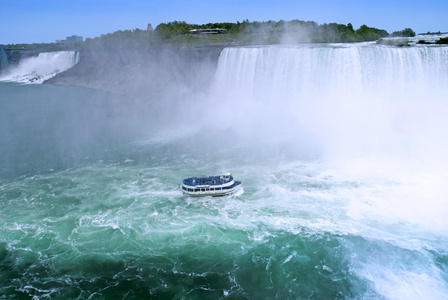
x=42, y=67
x=347, y=98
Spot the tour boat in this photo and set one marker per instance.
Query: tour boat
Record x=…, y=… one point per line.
x=210, y=186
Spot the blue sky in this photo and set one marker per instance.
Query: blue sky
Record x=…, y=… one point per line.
x=36, y=21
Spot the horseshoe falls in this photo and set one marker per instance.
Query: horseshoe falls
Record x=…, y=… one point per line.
x=341, y=150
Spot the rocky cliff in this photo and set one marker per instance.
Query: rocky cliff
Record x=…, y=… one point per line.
x=135, y=71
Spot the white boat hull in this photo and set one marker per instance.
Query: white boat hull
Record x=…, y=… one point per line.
x=211, y=193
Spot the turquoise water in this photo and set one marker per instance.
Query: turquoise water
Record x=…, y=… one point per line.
x=90, y=208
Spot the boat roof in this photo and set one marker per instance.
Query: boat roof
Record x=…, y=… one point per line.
x=211, y=180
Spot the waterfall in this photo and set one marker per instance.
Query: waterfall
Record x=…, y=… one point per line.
x=39, y=68
x=339, y=100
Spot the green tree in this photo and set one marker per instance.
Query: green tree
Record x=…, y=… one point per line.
x=163, y=31
x=442, y=41
x=370, y=34
x=407, y=32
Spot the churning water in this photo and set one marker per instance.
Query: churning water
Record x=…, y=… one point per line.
x=341, y=151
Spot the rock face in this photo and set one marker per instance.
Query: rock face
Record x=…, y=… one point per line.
x=126, y=71
x=3, y=58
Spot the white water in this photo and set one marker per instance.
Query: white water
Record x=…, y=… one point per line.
x=375, y=118
x=371, y=114
x=39, y=68
x=349, y=100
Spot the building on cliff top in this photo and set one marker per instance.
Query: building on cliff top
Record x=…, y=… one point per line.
x=208, y=31
x=71, y=39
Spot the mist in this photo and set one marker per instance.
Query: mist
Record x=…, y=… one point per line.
x=341, y=150
x=312, y=102
x=338, y=101
x=132, y=96
x=368, y=114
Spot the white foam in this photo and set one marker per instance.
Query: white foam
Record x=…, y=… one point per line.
x=400, y=282
x=375, y=116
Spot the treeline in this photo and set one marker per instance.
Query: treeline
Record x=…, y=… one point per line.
x=43, y=47
x=177, y=34
x=305, y=31
x=442, y=41
x=407, y=32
